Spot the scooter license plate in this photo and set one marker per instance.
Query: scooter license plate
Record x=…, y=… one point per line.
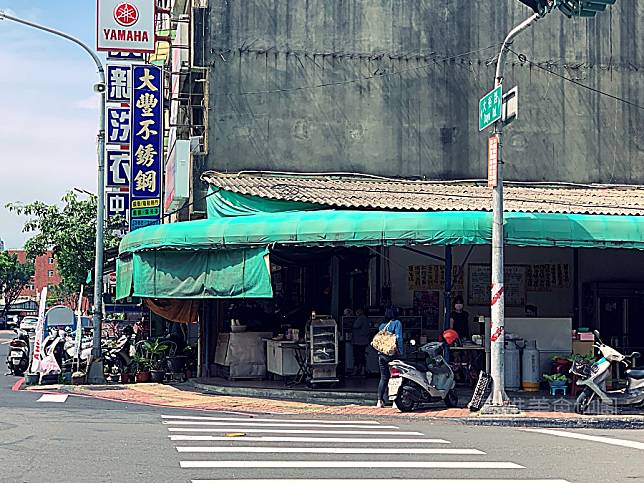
x=15, y=354
x=393, y=386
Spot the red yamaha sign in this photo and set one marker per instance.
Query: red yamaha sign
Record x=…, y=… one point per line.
x=125, y=26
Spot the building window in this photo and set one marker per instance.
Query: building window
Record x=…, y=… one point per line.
x=50, y=260
x=50, y=273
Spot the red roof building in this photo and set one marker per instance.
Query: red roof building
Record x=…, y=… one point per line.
x=45, y=273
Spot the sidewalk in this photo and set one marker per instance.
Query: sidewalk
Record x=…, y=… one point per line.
x=183, y=396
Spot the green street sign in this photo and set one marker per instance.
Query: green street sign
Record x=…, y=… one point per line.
x=139, y=212
x=490, y=108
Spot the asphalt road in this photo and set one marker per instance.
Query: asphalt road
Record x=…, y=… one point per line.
x=78, y=439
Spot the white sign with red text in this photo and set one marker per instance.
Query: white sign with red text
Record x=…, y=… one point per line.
x=40, y=328
x=125, y=26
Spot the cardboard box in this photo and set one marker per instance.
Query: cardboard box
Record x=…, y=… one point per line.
x=583, y=347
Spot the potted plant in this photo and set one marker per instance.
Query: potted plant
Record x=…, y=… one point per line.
x=141, y=368
x=156, y=351
x=556, y=381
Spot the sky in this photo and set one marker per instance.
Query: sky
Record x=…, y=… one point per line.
x=48, y=109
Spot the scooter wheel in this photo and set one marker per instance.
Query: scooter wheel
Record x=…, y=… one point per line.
x=404, y=402
x=583, y=401
x=451, y=399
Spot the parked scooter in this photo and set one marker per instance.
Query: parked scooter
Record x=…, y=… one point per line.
x=411, y=384
x=118, y=355
x=18, y=356
x=593, y=377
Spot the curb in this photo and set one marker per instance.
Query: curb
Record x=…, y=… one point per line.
x=307, y=397
x=634, y=422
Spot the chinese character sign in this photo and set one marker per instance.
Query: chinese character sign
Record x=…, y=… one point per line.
x=126, y=56
x=147, y=131
x=118, y=125
x=118, y=83
x=117, y=204
x=118, y=168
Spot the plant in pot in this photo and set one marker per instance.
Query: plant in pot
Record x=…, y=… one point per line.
x=556, y=381
x=157, y=353
x=141, y=366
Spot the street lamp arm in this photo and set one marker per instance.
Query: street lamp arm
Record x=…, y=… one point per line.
x=506, y=45
x=99, y=64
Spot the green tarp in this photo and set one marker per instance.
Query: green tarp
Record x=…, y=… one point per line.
x=224, y=257
x=195, y=274
x=222, y=203
x=362, y=228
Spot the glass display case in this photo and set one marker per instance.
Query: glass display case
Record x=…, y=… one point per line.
x=323, y=350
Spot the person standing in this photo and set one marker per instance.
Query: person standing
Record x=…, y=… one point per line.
x=393, y=326
x=460, y=319
x=360, y=339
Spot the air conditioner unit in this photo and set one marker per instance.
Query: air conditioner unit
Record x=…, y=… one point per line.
x=197, y=145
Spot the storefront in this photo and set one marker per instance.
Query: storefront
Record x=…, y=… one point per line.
x=274, y=250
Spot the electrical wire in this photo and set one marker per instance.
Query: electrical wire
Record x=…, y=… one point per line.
x=377, y=75
x=523, y=59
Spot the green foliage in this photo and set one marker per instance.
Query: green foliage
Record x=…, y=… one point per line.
x=13, y=277
x=555, y=377
x=70, y=232
x=156, y=351
x=140, y=364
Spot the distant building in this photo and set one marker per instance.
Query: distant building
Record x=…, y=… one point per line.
x=45, y=273
x=1, y=245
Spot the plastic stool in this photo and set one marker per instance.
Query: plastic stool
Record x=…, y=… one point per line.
x=554, y=389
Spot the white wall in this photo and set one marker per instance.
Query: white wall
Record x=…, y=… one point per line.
x=554, y=303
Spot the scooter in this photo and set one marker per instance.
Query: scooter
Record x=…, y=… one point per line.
x=411, y=384
x=18, y=356
x=593, y=377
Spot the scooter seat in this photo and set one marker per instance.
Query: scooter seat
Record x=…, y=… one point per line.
x=635, y=373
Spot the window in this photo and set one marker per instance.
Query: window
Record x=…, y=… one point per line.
x=50, y=260
x=50, y=273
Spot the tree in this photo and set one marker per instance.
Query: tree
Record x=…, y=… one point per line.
x=13, y=278
x=70, y=233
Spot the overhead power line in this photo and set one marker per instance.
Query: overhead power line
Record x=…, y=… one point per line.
x=523, y=59
x=376, y=75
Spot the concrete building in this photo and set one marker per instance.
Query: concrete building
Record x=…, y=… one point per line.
x=392, y=87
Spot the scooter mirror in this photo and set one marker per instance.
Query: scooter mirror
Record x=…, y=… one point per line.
x=596, y=333
x=412, y=342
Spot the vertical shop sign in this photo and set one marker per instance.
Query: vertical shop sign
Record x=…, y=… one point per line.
x=119, y=83
x=147, y=145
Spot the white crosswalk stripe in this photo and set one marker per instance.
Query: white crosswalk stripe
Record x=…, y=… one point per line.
x=53, y=398
x=285, y=450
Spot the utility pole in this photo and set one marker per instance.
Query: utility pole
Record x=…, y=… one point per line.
x=497, y=338
x=96, y=370
x=498, y=401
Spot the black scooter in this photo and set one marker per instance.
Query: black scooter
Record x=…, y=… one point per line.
x=18, y=356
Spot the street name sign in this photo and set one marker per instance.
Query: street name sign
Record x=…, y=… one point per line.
x=490, y=108
x=125, y=26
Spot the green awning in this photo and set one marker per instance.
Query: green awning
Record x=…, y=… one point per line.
x=225, y=257
x=316, y=228
x=362, y=228
x=203, y=274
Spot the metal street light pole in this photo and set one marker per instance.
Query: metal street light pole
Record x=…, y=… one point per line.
x=99, y=87
x=497, y=339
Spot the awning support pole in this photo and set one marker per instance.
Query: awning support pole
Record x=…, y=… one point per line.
x=447, y=298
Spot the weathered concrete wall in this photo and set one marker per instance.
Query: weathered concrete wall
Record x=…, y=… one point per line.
x=288, y=89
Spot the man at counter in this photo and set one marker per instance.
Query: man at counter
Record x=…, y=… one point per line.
x=360, y=338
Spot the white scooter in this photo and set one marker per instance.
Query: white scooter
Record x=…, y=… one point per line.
x=593, y=377
x=415, y=383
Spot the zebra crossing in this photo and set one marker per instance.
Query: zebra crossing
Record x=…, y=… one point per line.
x=215, y=449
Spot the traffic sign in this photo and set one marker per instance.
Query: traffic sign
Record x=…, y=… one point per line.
x=490, y=108
x=492, y=160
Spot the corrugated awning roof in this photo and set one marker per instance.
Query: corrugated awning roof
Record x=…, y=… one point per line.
x=375, y=193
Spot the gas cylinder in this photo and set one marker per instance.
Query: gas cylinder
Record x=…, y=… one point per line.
x=512, y=365
x=530, y=371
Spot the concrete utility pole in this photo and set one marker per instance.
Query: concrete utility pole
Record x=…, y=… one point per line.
x=96, y=371
x=497, y=338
